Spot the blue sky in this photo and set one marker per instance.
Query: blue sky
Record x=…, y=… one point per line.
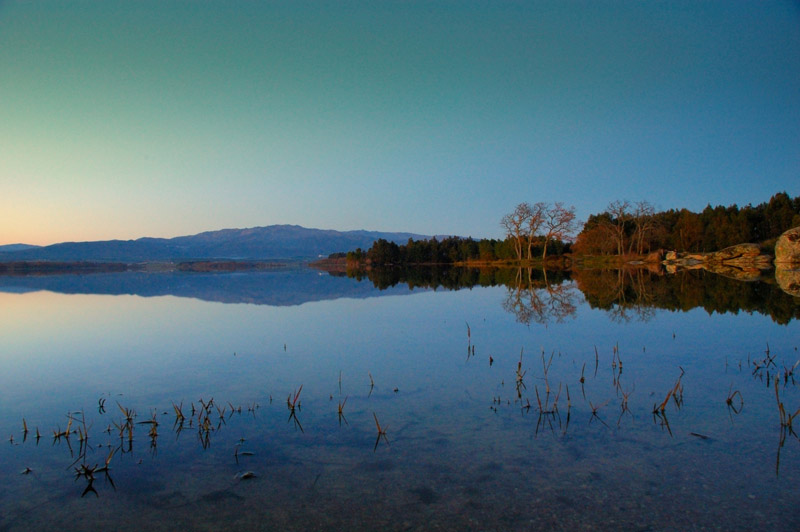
x=123, y=119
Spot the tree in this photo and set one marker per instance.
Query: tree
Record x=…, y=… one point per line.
x=515, y=224
x=535, y=221
x=558, y=223
x=383, y=253
x=620, y=214
x=644, y=223
x=688, y=231
x=486, y=250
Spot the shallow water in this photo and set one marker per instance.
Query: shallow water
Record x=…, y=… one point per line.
x=465, y=447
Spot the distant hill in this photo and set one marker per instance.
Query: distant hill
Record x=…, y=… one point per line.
x=256, y=243
x=10, y=248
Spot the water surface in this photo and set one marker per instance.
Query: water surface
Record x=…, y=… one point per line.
x=458, y=380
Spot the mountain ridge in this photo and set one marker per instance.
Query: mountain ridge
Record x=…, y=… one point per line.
x=253, y=243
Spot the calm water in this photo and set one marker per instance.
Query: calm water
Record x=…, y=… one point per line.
x=455, y=378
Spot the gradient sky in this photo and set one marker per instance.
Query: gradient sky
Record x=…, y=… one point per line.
x=122, y=119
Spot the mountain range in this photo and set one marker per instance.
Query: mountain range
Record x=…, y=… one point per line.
x=256, y=243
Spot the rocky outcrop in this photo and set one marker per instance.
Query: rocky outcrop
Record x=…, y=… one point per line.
x=743, y=261
x=738, y=252
x=787, y=248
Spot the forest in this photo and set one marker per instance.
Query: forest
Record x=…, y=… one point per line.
x=543, y=231
x=635, y=228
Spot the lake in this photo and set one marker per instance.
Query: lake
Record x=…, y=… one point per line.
x=296, y=400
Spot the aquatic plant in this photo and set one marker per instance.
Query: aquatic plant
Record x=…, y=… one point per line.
x=294, y=406
x=341, y=411
x=381, y=432
x=676, y=393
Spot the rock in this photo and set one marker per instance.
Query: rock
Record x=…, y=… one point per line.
x=695, y=258
x=656, y=256
x=746, y=273
x=737, y=251
x=788, y=280
x=743, y=261
x=787, y=248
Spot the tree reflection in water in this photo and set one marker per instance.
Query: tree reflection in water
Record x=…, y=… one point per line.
x=626, y=294
x=533, y=299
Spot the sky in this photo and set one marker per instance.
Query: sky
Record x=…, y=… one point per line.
x=123, y=119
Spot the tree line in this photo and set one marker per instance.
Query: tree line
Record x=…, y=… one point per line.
x=537, y=230
x=531, y=231
x=636, y=228
x=433, y=251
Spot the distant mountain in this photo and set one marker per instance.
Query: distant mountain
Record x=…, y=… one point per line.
x=257, y=243
x=10, y=248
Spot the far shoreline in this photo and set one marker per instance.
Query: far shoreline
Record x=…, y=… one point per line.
x=22, y=268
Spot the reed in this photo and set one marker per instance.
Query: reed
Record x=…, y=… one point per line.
x=129, y=415
x=104, y=468
x=624, y=405
x=731, y=400
x=595, y=410
x=676, y=393
x=341, y=411
x=616, y=361
x=294, y=405
x=789, y=373
x=179, y=417
x=221, y=413
x=786, y=419
x=381, y=432
x=596, y=361
x=520, y=375
x=661, y=418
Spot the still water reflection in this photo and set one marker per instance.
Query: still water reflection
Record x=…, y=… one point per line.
x=547, y=402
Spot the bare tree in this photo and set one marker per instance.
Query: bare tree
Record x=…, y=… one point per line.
x=620, y=215
x=535, y=222
x=644, y=223
x=558, y=223
x=515, y=224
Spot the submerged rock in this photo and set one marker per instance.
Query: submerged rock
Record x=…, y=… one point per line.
x=787, y=248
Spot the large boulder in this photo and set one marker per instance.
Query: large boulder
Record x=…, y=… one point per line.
x=787, y=249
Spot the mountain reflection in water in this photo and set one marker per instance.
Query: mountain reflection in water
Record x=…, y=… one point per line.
x=534, y=295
